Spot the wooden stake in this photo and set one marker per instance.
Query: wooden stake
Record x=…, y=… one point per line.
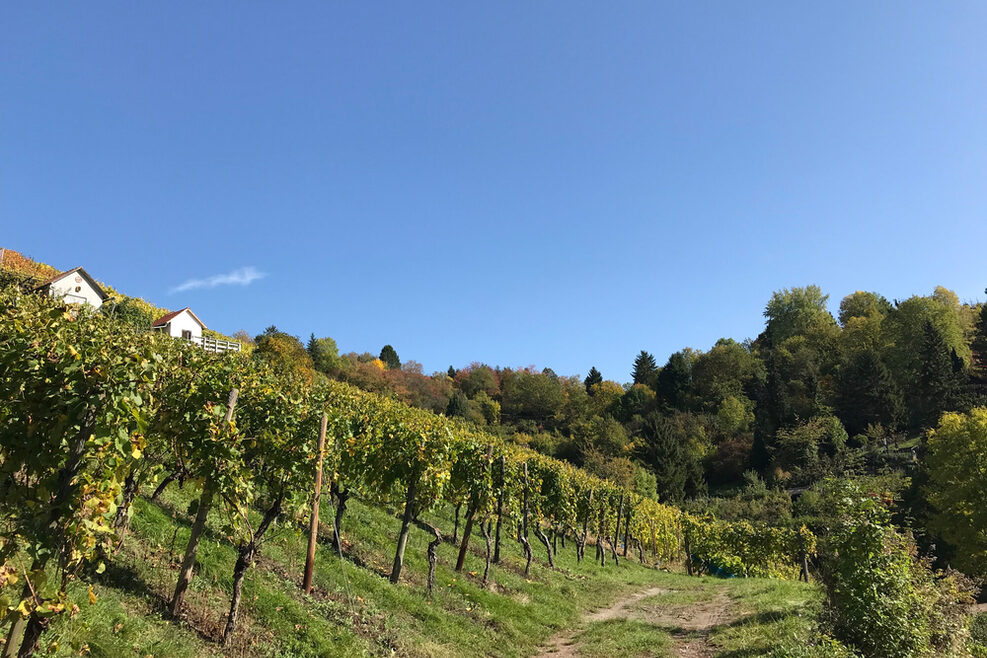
x=313, y=528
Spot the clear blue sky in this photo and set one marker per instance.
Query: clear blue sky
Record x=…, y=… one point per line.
x=559, y=184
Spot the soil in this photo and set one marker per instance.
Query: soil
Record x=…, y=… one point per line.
x=689, y=625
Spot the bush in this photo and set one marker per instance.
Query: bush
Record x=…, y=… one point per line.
x=883, y=599
x=978, y=629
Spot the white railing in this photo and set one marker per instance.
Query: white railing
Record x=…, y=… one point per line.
x=215, y=344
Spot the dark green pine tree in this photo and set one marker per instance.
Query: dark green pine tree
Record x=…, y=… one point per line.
x=645, y=369
x=594, y=377
x=937, y=380
x=451, y=372
x=980, y=339
x=459, y=406
x=390, y=357
x=672, y=382
x=868, y=394
x=679, y=473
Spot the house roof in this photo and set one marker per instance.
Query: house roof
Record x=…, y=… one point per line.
x=168, y=317
x=81, y=272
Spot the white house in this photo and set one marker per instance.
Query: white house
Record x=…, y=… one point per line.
x=75, y=287
x=180, y=324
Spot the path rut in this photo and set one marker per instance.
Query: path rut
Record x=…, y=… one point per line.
x=688, y=625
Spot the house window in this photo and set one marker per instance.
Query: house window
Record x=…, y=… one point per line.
x=187, y=334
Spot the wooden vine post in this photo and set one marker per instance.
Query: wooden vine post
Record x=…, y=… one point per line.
x=627, y=527
x=803, y=559
x=500, y=510
x=654, y=540
x=688, y=554
x=620, y=515
x=581, y=542
x=524, y=524
x=409, y=513
x=199, y=525
x=485, y=528
x=313, y=528
x=467, y=532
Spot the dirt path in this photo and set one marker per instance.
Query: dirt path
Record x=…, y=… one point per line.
x=689, y=625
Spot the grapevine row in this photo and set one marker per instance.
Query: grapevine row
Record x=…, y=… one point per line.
x=91, y=412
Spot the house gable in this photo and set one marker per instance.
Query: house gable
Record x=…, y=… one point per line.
x=75, y=286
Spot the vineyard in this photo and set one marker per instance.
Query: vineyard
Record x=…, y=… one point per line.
x=94, y=413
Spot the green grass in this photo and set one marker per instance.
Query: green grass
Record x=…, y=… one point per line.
x=354, y=610
x=629, y=638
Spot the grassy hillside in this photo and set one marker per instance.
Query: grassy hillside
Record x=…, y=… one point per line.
x=354, y=610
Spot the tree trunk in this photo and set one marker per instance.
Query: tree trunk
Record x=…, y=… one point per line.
x=341, y=495
x=467, y=532
x=600, y=551
x=432, y=557
x=548, y=546
x=205, y=502
x=500, y=512
x=313, y=528
x=409, y=513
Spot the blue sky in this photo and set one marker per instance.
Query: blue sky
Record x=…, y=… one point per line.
x=559, y=184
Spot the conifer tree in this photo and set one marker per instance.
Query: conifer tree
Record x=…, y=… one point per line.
x=459, y=406
x=938, y=380
x=645, y=369
x=665, y=450
x=979, y=344
x=869, y=394
x=672, y=382
x=594, y=377
x=390, y=357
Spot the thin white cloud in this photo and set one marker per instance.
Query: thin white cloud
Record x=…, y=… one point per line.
x=243, y=276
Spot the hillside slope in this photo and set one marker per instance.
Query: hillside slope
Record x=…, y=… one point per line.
x=354, y=610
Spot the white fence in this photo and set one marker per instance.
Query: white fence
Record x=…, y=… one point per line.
x=215, y=344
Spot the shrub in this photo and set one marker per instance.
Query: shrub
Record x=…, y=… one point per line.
x=883, y=599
